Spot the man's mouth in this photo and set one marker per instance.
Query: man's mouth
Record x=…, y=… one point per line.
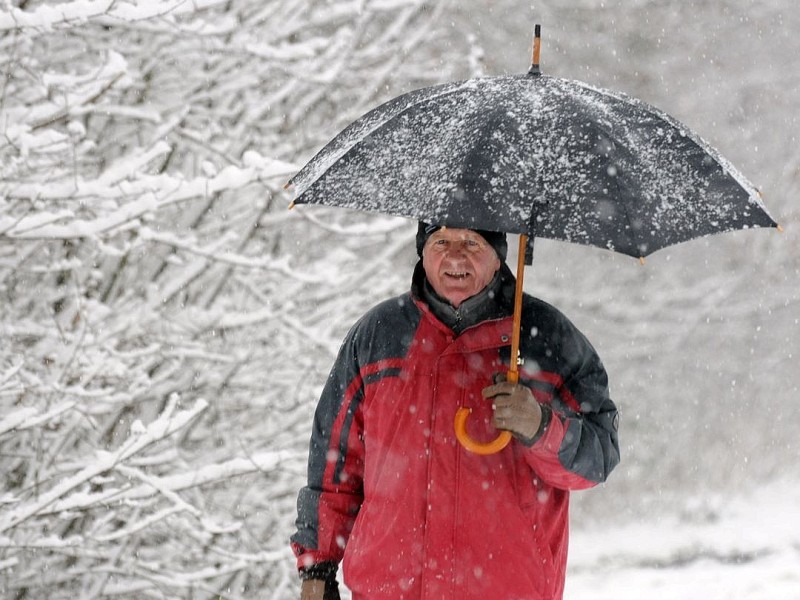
x=457, y=274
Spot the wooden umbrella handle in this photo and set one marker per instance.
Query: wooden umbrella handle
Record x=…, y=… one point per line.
x=460, y=424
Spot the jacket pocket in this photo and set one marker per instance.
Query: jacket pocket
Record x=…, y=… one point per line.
x=536, y=504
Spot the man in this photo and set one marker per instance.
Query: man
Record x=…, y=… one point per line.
x=390, y=490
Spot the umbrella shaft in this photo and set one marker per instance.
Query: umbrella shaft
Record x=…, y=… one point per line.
x=513, y=371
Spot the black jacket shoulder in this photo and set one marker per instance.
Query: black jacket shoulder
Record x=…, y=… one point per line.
x=386, y=330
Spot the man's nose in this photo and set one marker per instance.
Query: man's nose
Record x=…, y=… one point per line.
x=457, y=249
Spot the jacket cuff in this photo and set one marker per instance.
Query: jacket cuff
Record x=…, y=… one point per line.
x=325, y=571
x=547, y=415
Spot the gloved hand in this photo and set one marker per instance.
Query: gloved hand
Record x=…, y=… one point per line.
x=515, y=408
x=312, y=589
x=319, y=582
x=319, y=589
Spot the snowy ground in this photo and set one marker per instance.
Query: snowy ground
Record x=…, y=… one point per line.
x=744, y=549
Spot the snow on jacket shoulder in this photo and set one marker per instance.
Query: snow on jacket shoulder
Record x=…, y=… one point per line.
x=415, y=515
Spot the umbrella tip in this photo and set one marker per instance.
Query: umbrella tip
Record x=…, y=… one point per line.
x=287, y=185
x=642, y=261
x=291, y=205
x=780, y=229
x=537, y=45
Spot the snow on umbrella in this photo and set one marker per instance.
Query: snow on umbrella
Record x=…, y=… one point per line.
x=537, y=156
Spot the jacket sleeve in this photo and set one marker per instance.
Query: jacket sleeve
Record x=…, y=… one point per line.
x=577, y=446
x=328, y=504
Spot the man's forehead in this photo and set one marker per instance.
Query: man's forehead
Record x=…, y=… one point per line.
x=452, y=233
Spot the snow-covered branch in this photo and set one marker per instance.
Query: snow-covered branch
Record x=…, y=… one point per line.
x=141, y=437
x=110, y=12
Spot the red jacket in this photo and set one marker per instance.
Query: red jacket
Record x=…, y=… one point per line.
x=414, y=514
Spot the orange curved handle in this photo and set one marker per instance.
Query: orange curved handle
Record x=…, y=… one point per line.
x=500, y=442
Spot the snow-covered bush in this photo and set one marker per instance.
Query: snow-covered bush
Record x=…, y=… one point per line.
x=161, y=310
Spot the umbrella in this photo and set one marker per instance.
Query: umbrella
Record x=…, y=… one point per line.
x=538, y=156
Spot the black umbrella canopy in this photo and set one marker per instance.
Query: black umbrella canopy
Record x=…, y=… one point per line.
x=535, y=155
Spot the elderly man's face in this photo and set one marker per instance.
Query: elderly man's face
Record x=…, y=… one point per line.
x=458, y=263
